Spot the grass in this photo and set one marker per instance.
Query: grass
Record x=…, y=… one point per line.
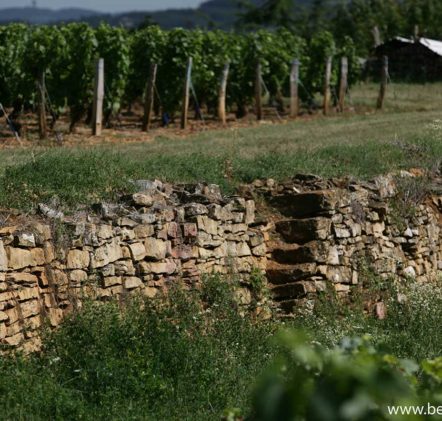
x=196, y=355
x=361, y=146
x=167, y=361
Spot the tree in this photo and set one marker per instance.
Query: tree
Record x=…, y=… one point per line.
x=272, y=13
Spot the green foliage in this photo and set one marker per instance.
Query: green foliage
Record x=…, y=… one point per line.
x=181, y=45
x=188, y=356
x=196, y=355
x=321, y=47
x=354, y=381
x=114, y=48
x=68, y=55
x=79, y=69
x=146, y=48
x=12, y=75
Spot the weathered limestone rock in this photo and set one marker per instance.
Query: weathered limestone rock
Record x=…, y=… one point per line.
x=49, y=252
x=78, y=276
x=38, y=257
x=195, y=209
x=155, y=249
x=77, y=259
x=106, y=254
x=143, y=199
x=190, y=230
x=3, y=258
x=104, y=231
x=112, y=281
x=132, y=282
x=168, y=267
x=206, y=224
x=124, y=267
x=21, y=277
x=243, y=250
x=144, y=231
x=25, y=239
x=19, y=258
x=138, y=251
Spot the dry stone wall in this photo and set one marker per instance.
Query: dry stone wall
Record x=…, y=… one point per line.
x=307, y=234
x=151, y=240
x=326, y=231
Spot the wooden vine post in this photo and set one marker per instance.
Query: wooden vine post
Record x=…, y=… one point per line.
x=258, y=91
x=376, y=36
x=327, y=79
x=222, y=94
x=343, y=83
x=97, y=116
x=149, y=99
x=42, y=124
x=384, y=82
x=187, y=82
x=294, y=84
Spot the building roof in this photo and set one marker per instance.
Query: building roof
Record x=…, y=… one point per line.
x=433, y=45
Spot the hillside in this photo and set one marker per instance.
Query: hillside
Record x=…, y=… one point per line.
x=41, y=15
x=213, y=13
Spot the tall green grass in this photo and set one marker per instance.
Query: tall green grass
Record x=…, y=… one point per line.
x=74, y=176
x=196, y=354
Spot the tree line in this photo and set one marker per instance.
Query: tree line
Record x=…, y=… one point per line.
x=354, y=18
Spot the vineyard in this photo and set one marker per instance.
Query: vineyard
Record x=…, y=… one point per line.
x=63, y=59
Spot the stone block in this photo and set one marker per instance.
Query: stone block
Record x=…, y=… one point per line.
x=142, y=199
x=25, y=294
x=144, y=231
x=112, y=281
x=260, y=250
x=77, y=259
x=243, y=250
x=3, y=258
x=106, y=254
x=155, y=249
x=168, y=267
x=195, y=209
x=19, y=258
x=25, y=239
x=124, y=267
x=38, y=257
x=312, y=252
x=104, y=231
x=138, y=251
x=78, y=276
x=132, y=282
x=21, y=278
x=302, y=231
x=126, y=222
x=206, y=224
x=49, y=252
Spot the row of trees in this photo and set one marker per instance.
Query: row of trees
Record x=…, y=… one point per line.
x=66, y=55
x=353, y=18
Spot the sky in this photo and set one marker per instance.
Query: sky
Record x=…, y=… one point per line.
x=110, y=6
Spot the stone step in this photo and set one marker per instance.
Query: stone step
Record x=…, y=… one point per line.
x=280, y=274
x=301, y=231
x=308, y=204
x=291, y=291
x=289, y=306
x=312, y=252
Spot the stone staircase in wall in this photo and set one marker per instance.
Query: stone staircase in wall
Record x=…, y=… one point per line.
x=323, y=230
x=298, y=247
